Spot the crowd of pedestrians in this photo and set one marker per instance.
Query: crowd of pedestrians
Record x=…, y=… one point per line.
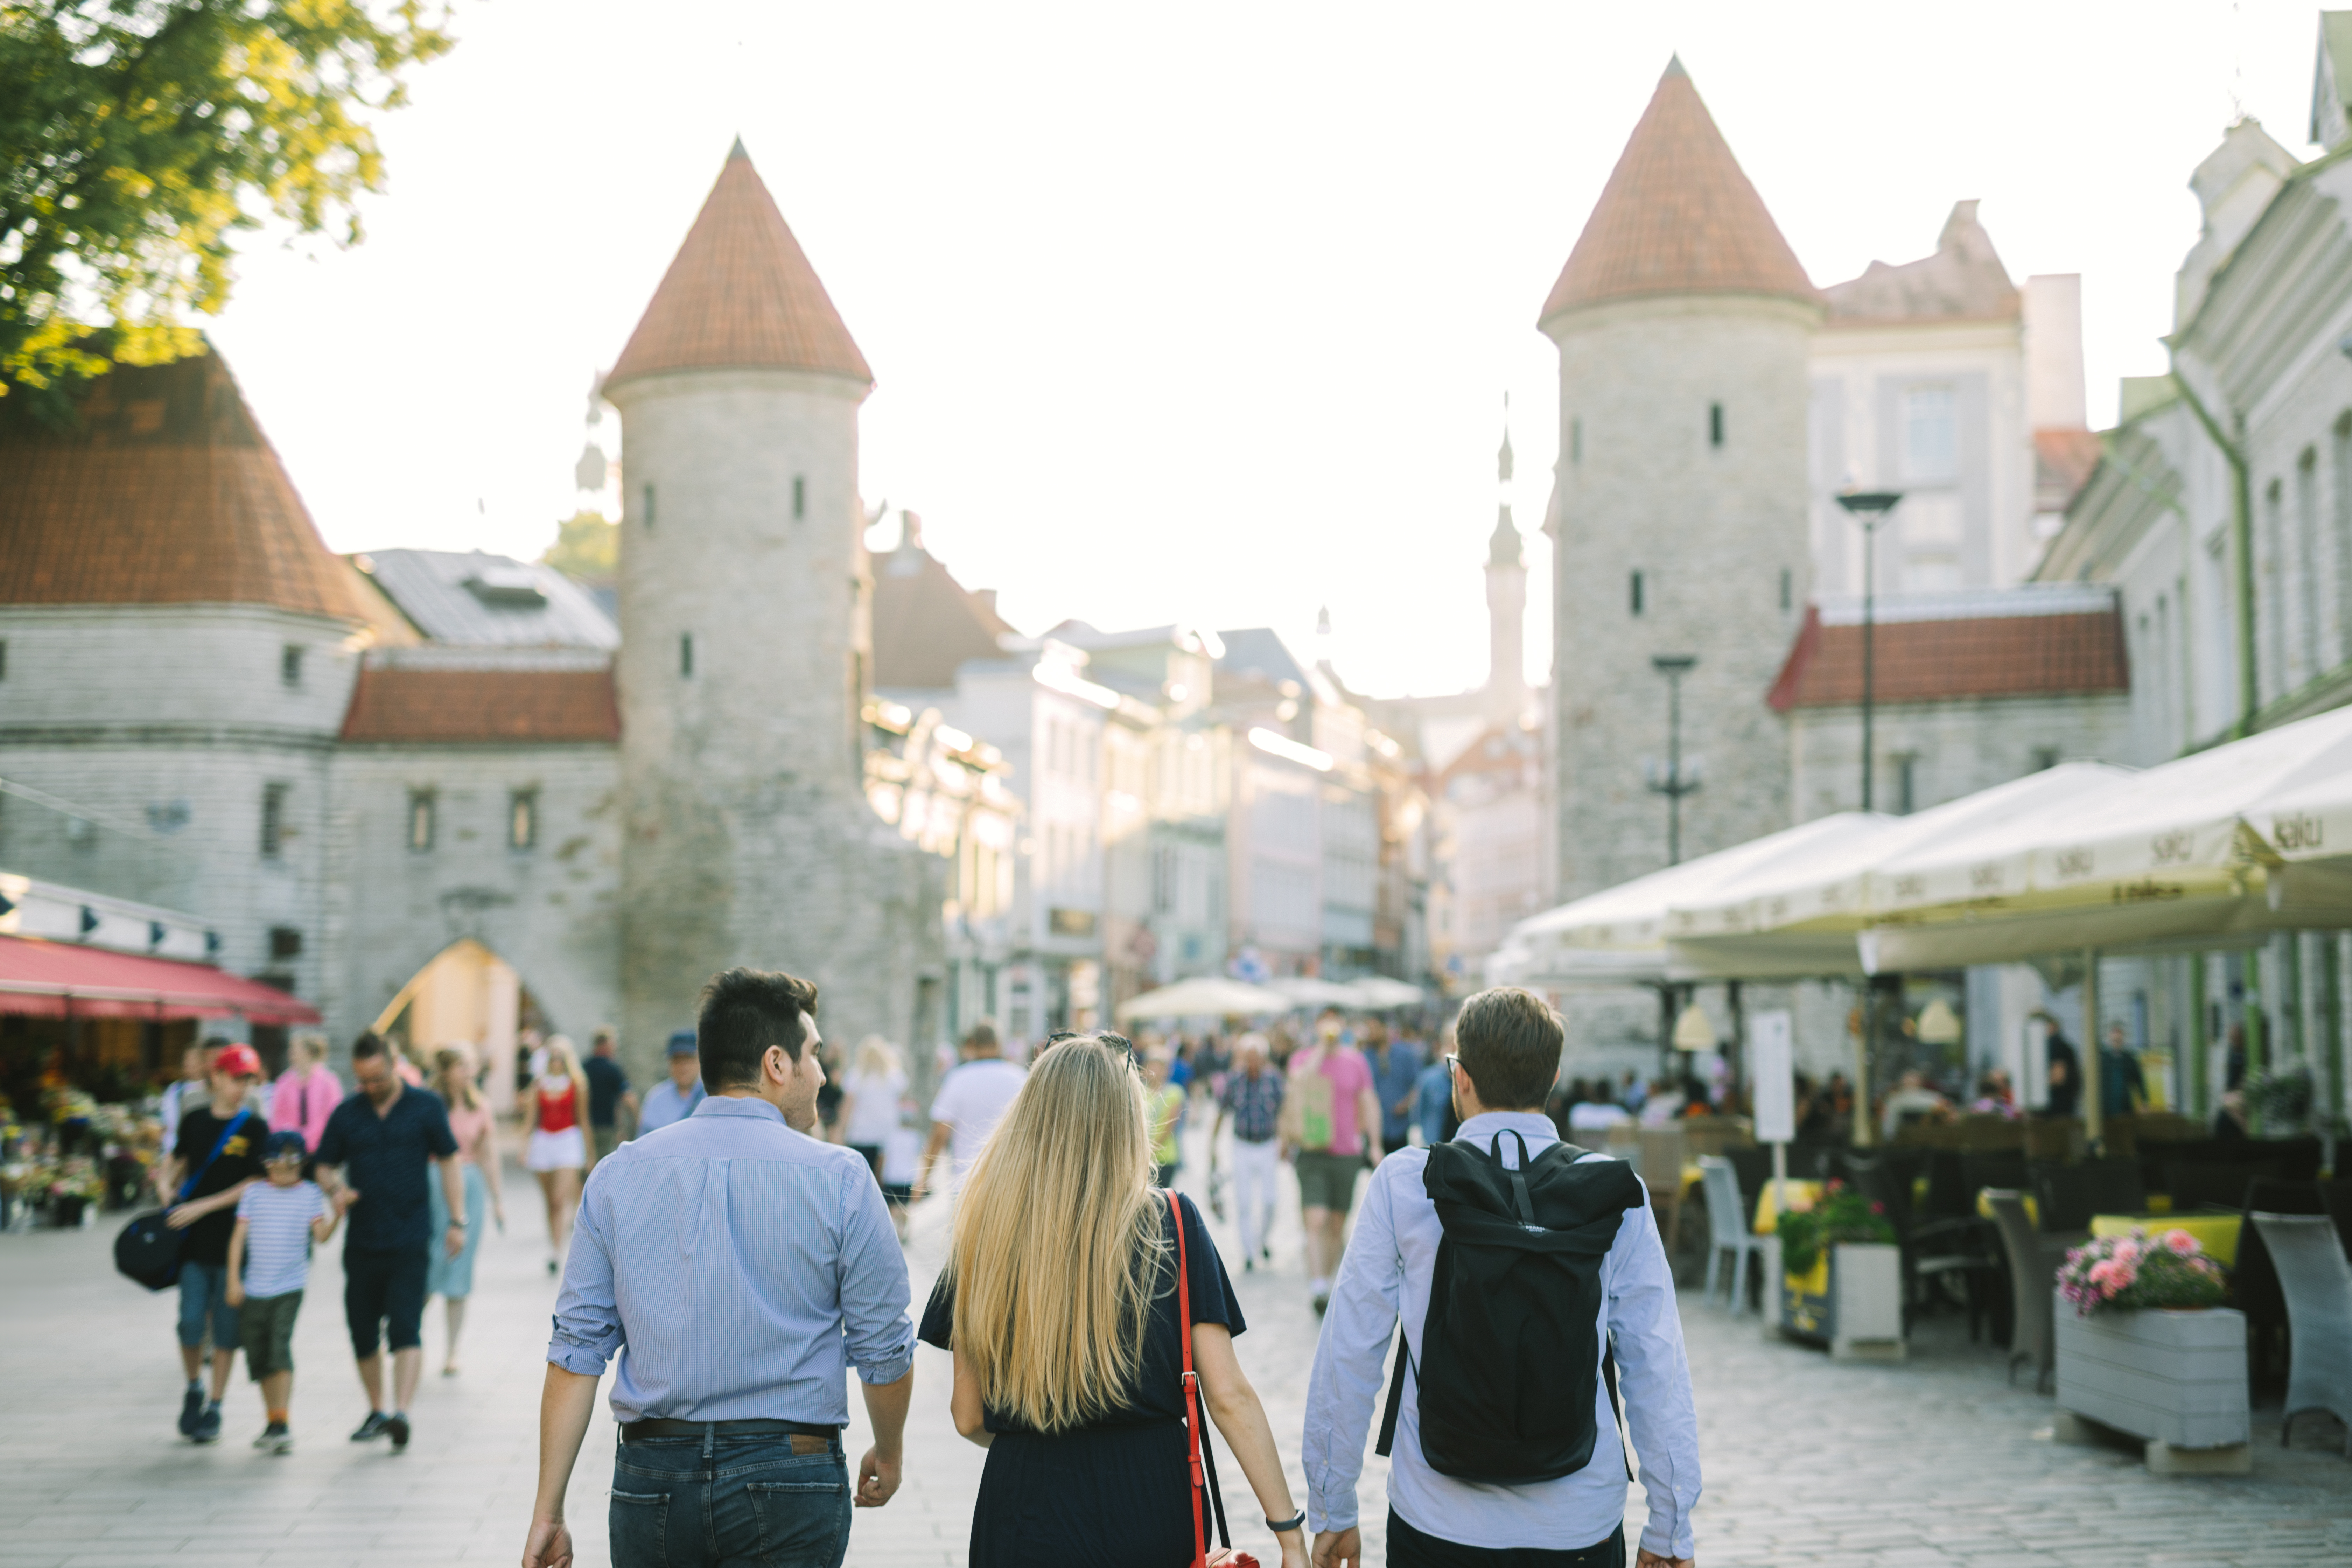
x=1090, y=1321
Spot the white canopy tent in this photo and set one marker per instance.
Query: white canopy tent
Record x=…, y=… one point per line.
x=1310, y=992
x=2180, y=857
x=1620, y=936
x=1207, y=997
x=1798, y=915
x=1378, y=992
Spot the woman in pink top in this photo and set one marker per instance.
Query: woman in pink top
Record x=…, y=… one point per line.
x=307, y=1093
x=474, y=1127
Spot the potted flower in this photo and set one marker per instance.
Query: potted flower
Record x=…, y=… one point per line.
x=2150, y=1349
x=1841, y=1276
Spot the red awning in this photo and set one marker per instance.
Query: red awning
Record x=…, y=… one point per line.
x=57, y=980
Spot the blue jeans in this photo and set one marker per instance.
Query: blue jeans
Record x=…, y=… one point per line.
x=706, y=1502
x=204, y=1300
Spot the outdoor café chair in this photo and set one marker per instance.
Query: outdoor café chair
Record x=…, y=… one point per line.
x=2317, y=1283
x=2033, y=1259
x=1728, y=1228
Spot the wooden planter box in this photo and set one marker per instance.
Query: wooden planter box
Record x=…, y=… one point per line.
x=1851, y=1301
x=2174, y=1380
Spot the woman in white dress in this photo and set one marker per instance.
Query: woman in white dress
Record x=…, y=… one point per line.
x=869, y=1105
x=557, y=1151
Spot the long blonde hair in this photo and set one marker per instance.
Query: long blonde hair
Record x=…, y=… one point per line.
x=1058, y=1245
x=453, y=1076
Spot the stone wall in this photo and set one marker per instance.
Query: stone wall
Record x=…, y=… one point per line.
x=747, y=838
x=1718, y=536
x=168, y=725
x=550, y=909
x=1955, y=748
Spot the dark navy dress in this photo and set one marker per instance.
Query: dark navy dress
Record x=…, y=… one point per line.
x=1111, y=1495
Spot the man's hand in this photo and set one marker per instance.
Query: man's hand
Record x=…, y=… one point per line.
x=343, y=1198
x=878, y=1480
x=1645, y=1558
x=548, y=1544
x=1335, y=1547
x=235, y=1291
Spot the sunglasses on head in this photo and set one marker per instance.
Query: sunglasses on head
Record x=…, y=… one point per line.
x=1105, y=1036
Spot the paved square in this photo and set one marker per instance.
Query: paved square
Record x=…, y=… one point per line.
x=1807, y=1461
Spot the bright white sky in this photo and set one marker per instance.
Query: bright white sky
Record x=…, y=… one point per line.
x=1202, y=313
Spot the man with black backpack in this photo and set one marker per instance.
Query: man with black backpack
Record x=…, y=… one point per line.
x=1532, y=1289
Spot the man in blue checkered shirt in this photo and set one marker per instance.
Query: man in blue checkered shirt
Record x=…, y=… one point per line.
x=1252, y=1098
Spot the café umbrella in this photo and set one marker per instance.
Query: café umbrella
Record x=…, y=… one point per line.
x=1207, y=997
x=1619, y=935
x=2174, y=858
x=1798, y=915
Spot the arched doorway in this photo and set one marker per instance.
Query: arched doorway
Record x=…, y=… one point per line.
x=466, y=991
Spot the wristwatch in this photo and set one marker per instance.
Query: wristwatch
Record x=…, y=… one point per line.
x=457, y=1222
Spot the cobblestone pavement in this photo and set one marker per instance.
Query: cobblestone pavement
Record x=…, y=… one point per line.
x=1932, y=1462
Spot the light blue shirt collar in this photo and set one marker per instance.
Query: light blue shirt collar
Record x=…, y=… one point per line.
x=1530, y=1125
x=737, y=1105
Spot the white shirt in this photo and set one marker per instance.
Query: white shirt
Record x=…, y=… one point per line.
x=972, y=1099
x=1385, y=1277
x=1589, y=1117
x=873, y=1107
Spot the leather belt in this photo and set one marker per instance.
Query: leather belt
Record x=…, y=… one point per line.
x=661, y=1426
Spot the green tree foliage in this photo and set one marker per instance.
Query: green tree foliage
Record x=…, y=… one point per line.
x=137, y=136
x=587, y=548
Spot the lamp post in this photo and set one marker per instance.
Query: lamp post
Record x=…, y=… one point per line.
x=1675, y=784
x=1869, y=508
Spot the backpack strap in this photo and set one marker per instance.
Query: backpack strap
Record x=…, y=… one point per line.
x=1396, y=1395
x=1616, y=1412
x=228, y=1132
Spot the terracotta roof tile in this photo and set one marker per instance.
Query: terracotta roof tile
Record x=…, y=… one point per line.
x=2063, y=461
x=483, y=707
x=166, y=493
x=741, y=294
x=926, y=623
x=1677, y=216
x=1938, y=661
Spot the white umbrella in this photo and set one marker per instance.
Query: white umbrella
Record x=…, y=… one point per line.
x=1618, y=935
x=1378, y=992
x=1792, y=915
x=1207, y=997
x=2167, y=858
x=1307, y=991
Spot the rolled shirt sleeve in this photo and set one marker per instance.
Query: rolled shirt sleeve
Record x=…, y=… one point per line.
x=1653, y=1375
x=879, y=1334
x=1346, y=1381
x=588, y=1332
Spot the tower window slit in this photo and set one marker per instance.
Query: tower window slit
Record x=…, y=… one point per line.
x=686, y=655
x=1715, y=424
x=1633, y=593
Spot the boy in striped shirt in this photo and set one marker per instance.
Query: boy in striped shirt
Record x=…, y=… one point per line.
x=269, y=1264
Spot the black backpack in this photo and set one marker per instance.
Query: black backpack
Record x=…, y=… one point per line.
x=1509, y=1365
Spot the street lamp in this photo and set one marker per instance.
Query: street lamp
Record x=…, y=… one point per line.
x=1677, y=782
x=1869, y=508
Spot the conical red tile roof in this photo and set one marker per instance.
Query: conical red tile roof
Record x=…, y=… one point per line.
x=165, y=493
x=1677, y=216
x=741, y=295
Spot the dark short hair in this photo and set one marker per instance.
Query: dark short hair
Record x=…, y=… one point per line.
x=742, y=1013
x=369, y=1044
x=1510, y=1043
x=215, y=1043
x=981, y=1037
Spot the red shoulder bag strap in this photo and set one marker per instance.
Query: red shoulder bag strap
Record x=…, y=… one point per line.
x=1203, y=1456
x=1192, y=1384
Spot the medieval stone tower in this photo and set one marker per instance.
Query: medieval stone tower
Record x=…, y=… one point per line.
x=742, y=665
x=1683, y=321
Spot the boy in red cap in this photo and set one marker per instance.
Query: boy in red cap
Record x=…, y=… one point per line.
x=218, y=1155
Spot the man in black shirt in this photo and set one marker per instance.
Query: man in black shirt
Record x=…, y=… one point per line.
x=609, y=1094
x=218, y=1155
x=384, y=1141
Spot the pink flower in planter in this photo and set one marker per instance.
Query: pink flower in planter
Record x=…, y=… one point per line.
x=2181, y=1243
